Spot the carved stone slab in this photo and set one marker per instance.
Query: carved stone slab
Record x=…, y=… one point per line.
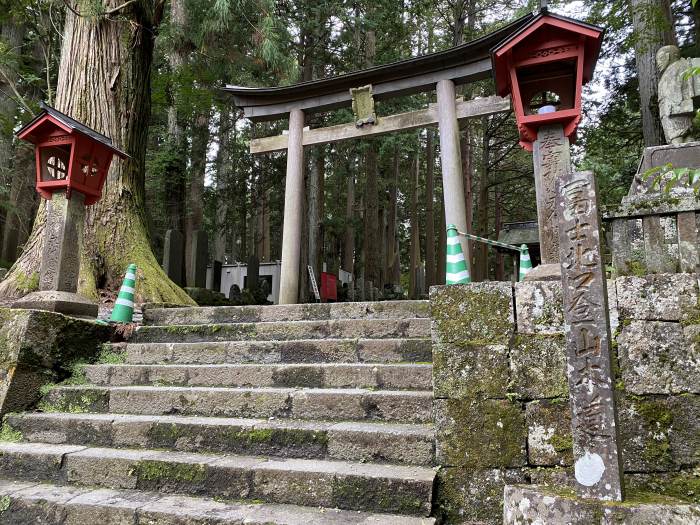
x=60, y=260
x=552, y=160
x=173, y=255
x=199, y=260
x=597, y=466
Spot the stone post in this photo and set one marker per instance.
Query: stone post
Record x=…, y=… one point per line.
x=552, y=160
x=451, y=161
x=200, y=256
x=598, y=464
x=216, y=268
x=173, y=253
x=293, y=210
x=60, y=260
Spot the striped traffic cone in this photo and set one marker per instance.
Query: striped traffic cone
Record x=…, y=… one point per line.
x=457, y=271
x=525, y=262
x=123, y=311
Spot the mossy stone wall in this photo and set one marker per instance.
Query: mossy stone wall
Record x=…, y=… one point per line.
x=38, y=348
x=502, y=411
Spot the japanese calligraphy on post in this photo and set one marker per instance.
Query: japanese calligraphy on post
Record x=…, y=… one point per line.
x=552, y=160
x=597, y=469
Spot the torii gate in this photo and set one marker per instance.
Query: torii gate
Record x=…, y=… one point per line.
x=440, y=71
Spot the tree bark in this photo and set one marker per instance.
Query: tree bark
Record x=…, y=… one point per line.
x=500, y=259
x=481, y=260
x=392, y=254
x=195, y=195
x=430, y=211
x=349, y=242
x=415, y=232
x=106, y=85
x=653, y=28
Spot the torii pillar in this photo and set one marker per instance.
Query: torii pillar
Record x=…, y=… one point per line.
x=451, y=161
x=293, y=210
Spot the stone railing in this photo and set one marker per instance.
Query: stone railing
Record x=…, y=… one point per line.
x=501, y=394
x=655, y=233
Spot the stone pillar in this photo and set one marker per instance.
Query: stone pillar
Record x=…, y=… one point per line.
x=173, y=253
x=451, y=160
x=293, y=210
x=199, y=258
x=253, y=273
x=216, y=268
x=60, y=260
x=598, y=463
x=552, y=160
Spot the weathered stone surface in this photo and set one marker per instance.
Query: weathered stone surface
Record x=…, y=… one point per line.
x=589, y=356
x=465, y=496
x=658, y=297
x=480, y=434
x=66, y=303
x=539, y=306
x=658, y=358
x=468, y=372
x=549, y=441
x=266, y=331
x=684, y=485
x=199, y=258
x=660, y=433
x=525, y=504
x=37, y=348
x=476, y=314
x=538, y=366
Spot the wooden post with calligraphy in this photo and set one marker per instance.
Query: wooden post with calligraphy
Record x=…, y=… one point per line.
x=598, y=463
x=552, y=160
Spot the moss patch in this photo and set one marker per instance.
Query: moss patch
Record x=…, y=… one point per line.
x=149, y=470
x=9, y=434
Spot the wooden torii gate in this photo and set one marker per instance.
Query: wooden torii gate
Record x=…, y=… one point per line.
x=440, y=71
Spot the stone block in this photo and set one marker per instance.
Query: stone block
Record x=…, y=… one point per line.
x=549, y=441
x=659, y=433
x=658, y=357
x=658, y=297
x=538, y=504
x=538, y=366
x=39, y=347
x=684, y=485
x=477, y=313
x=480, y=434
x=199, y=258
x=465, y=496
x=173, y=255
x=468, y=372
x=539, y=306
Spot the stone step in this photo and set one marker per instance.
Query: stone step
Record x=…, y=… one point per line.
x=292, y=351
x=349, y=441
x=315, y=404
x=31, y=503
x=324, y=375
x=289, y=312
x=349, y=486
x=285, y=330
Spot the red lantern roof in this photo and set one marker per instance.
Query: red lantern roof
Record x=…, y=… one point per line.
x=543, y=33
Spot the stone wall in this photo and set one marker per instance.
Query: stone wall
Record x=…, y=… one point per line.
x=39, y=347
x=501, y=408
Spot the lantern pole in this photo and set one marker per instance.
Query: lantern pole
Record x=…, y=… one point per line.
x=60, y=260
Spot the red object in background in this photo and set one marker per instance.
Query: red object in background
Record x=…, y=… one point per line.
x=69, y=155
x=552, y=55
x=329, y=290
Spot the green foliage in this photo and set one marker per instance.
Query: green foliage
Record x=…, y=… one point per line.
x=673, y=177
x=9, y=434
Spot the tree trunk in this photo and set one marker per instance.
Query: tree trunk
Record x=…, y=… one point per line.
x=392, y=254
x=195, y=195
x=442, y=247
x=653, y=28
x=415, y=233
x=481, y=249
x=430, y=212
x=500, y=259
x=106, y=85
x=349, y=243
x=371, y=218
x=316, y=174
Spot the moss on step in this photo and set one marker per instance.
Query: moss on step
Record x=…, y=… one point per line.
x=151, y=470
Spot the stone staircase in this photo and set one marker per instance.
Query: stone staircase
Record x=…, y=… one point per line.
x=304, y=414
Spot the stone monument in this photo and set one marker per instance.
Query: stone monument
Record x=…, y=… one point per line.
x=173, y=255
x=679, y=95
x=60, y=260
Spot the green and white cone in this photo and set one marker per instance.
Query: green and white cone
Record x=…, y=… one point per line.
x=123, y=311
x=525, y=262
x=457, y=270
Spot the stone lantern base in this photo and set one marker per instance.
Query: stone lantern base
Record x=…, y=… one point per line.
x=61, y=302
x=532, y=504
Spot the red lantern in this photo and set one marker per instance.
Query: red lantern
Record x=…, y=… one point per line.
x=69, y=155
x=543, y=67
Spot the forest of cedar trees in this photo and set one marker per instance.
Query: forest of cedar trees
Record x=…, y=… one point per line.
x=148, y=74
